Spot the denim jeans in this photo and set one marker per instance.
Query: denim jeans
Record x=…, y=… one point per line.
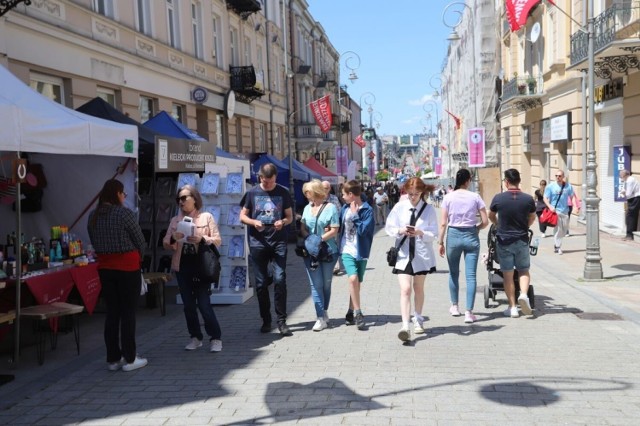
x=463, y=241
x=121, y=291
x=320, y=281
x=196, y=296
x=261, y=258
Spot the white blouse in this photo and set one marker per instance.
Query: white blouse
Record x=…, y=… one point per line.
x=400, y=216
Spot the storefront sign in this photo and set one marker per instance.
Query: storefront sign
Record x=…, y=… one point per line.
x=199, y=95
x=606, y=92
x=621, y=161
x=230, y=104
x=561, y=127
x=183, y=155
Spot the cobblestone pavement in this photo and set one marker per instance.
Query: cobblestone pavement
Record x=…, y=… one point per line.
x=559, y=367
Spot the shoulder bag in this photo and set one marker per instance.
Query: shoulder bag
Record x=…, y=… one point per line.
x=392, y=253
x=315, y=247
x=549, y=218
x=208, y=262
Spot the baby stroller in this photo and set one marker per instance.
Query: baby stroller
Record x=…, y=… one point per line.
x=496, y=282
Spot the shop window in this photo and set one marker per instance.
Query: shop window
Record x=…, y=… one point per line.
x=49, y=86
x=107, y=95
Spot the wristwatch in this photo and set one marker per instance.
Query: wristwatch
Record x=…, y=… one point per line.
x=440, y=243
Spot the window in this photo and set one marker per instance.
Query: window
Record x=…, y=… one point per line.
x=233, y=45
x=143, y=18
x=262, y=138
x=173, y=23
x=217, y=42
x=247, y=51
x=49, y=86
x=107, y=95
x=259, y=58
x=221, y=141
x=104, y=7
x=177, y=112
x=146, y=108
x=196, y=29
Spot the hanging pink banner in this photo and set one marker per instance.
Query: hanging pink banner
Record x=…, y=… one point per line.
x=476, y=144
x=342, y=160
x=321, y=110
x=438, y=165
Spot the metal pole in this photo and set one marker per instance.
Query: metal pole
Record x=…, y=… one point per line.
x=592, y=266
x=286, y=95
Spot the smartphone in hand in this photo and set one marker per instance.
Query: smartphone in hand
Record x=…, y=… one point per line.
x=411, y=228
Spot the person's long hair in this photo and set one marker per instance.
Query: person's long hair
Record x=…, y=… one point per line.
x=462, y=176
x=108, y=196
x=418, y=185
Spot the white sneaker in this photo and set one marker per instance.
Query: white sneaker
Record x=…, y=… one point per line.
x=115, y=366
x=559, y=251
x=137, y=363
x=511, y=312
x=320, y=324
x=454, y=311
x=194, y=344
x=404, y=334
x=325, y=317
x=525, y=307
x=216, y=345
x=543, y=235
x=418, y=327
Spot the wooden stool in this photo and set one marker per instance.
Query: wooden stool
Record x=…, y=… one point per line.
x=160, y=279
x=41, y=313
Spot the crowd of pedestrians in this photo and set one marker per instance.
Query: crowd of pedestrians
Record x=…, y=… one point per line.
x=338, y=234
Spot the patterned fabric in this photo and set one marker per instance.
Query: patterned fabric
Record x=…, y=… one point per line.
x=115, y=230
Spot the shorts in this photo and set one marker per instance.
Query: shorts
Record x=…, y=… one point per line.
x=354, y=267
x=514, y=256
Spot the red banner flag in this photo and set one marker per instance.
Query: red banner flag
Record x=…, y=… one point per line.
x=456, y=119
x=360, y=141
x=518, y=11
x=321, y=110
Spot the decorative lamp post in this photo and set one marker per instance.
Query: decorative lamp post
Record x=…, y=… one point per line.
x=369, y=99
x=352, y=62
x=453, y=37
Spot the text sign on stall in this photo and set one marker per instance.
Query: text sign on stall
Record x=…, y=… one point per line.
x=183, y=155
x=621, y=161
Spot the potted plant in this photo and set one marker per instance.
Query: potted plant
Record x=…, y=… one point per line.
x=522, y=88
x=532, y=83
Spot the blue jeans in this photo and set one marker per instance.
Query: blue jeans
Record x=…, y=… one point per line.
x=459, y=241
x=320, y=281
x=196, y=296
x=261, y=258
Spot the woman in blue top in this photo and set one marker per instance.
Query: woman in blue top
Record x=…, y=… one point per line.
x=357, y=227
x=320, y=218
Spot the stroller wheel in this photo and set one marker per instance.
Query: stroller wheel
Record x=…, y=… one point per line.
x=531, y=296
x=487, y=296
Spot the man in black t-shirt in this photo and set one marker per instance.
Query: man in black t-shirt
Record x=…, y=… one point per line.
x=513, y=212
x=266, y=210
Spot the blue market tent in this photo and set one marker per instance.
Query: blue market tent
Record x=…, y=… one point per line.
x=299, y=177
x=301, y=167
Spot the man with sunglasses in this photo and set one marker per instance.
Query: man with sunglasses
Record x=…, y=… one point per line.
x=266, y=210
x=556, y=197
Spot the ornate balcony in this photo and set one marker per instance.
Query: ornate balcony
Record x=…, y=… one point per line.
x=616, y=32
x=244, y=8
x=246, y=84
x=299, y=66
x=7, y=5
x=523, y=93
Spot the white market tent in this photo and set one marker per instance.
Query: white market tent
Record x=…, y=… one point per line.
x=86, y=152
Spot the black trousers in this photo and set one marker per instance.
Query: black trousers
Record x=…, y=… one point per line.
x=633, y=209
x=269, y=266
x=121, y=290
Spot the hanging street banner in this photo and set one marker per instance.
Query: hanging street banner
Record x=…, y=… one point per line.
x=360, y=141
x=342, y=160
x=321, y=110
x=351, y=170
x=621, y=161
x=518, y=11
x=476, y=147
x=438, y=166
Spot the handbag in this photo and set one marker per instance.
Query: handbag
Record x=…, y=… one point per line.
x=208, y=263
x=392, y=253
x=317, y=249
x=549, y=218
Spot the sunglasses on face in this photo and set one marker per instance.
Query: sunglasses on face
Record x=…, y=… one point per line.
x=182, y=198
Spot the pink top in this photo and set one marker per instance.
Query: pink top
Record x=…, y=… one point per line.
x=206, y=227
x=462, y=206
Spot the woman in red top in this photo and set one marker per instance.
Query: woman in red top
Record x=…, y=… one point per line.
x=119, y=243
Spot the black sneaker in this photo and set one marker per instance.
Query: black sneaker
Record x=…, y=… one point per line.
x=284, y=329
x=555, y=249
x=348, y=319
x=266, y=327
x=360, y=321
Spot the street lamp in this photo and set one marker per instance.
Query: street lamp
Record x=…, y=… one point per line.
x=593, y=265
x=453, y=37
x=436, y=84
x=352, y=62
x=288, y=75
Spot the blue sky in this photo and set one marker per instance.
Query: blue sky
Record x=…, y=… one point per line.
x=401, y=44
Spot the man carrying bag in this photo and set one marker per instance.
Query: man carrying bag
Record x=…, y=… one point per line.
x=556, y=197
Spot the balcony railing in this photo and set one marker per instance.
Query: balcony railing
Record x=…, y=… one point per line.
x=247, y=84
x=607, y=28
x=244, y=8
x=522, y=86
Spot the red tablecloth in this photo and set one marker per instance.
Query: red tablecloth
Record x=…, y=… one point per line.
x=87, y=282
